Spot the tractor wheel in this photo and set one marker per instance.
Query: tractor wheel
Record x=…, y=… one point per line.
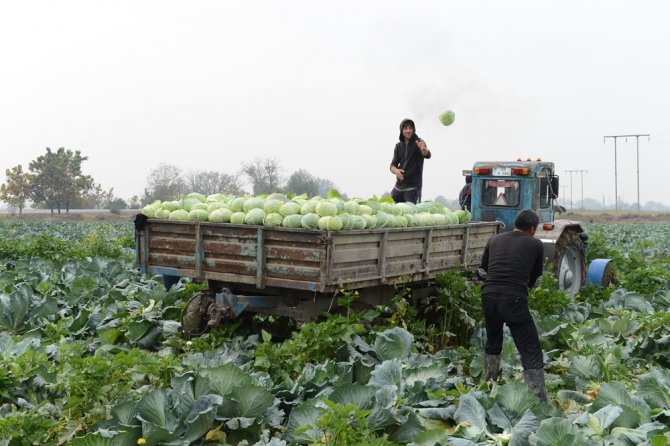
x=569, y=262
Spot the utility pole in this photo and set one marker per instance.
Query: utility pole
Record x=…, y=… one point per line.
x=581, y=173
x=564, y=186
x=570, y=172
x=637, y=137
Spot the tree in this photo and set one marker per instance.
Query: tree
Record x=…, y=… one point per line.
x=115, y=204
x=264, y=174
x=135, y=202
x=325, y=185
x=57, y=180
x=212, y=182
x=16, y=189
x=303, y=182
x=94, y=198
x=164, y=183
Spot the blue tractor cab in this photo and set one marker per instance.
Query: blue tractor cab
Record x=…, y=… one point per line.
x=500, y=189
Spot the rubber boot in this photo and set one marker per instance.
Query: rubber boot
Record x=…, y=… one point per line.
x=535, y=380
x=491, y=366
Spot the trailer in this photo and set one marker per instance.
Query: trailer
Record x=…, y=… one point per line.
x=297, y=272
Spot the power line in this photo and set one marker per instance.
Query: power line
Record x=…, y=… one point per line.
x=570, y=172
x=581, y=173
x=616, y=192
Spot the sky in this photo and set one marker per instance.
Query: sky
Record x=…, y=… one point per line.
x=323, y=85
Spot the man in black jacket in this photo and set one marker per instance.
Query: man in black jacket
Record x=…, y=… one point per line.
x=407, y=164
x=513, y=262
x=465, y=195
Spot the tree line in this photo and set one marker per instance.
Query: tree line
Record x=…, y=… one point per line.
x=264, y=175
x=55, y=181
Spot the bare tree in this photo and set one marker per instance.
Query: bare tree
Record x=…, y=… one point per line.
x=134, y=202
x=202, y=182
x=231, y=184
x=264, y=174
x=164, y=183
x=212, y=182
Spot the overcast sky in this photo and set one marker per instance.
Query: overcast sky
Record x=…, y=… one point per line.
x=323, y=85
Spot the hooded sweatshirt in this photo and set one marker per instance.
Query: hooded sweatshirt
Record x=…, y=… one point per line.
x=408, y=157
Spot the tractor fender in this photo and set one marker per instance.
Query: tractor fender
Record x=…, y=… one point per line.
x=600, y=273
x=564, y=248
x=550, y=235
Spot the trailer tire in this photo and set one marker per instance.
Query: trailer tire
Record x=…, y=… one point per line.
x=194, y=315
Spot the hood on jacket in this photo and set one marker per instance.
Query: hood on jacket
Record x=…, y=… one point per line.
x=414, y=137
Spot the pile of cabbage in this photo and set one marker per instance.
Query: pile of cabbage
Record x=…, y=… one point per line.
x=331, y=213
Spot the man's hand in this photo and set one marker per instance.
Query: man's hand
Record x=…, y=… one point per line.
x=422, y=147
x=399, y=174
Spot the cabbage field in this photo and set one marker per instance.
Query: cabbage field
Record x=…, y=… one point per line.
x=90, y=354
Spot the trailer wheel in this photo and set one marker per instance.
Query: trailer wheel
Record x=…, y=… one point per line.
x=569, y=262
x=194, y=316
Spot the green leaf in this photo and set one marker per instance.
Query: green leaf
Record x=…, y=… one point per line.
x=395, y=343
x=103, y=437
x=301, y=426
x=358, y=394
x=436, y=373
x=582, y=370
x=246, y=402
x=578, y=397
x=432, y=437
x=15, y=309
x=603, y=418
x=635, y=410
x=472, y=415
x=202, y=405
x=524, y=428
x=632, y=437
x=125, y=413
x=333, y=193
x=153, y=409
x=556, y=432
x=659, y=440
x=516, y=396
x=220, y=380
x=138, y=329
x=654, y=387
x=388, y=373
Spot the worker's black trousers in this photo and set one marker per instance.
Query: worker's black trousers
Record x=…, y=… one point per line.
x=500, y=309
